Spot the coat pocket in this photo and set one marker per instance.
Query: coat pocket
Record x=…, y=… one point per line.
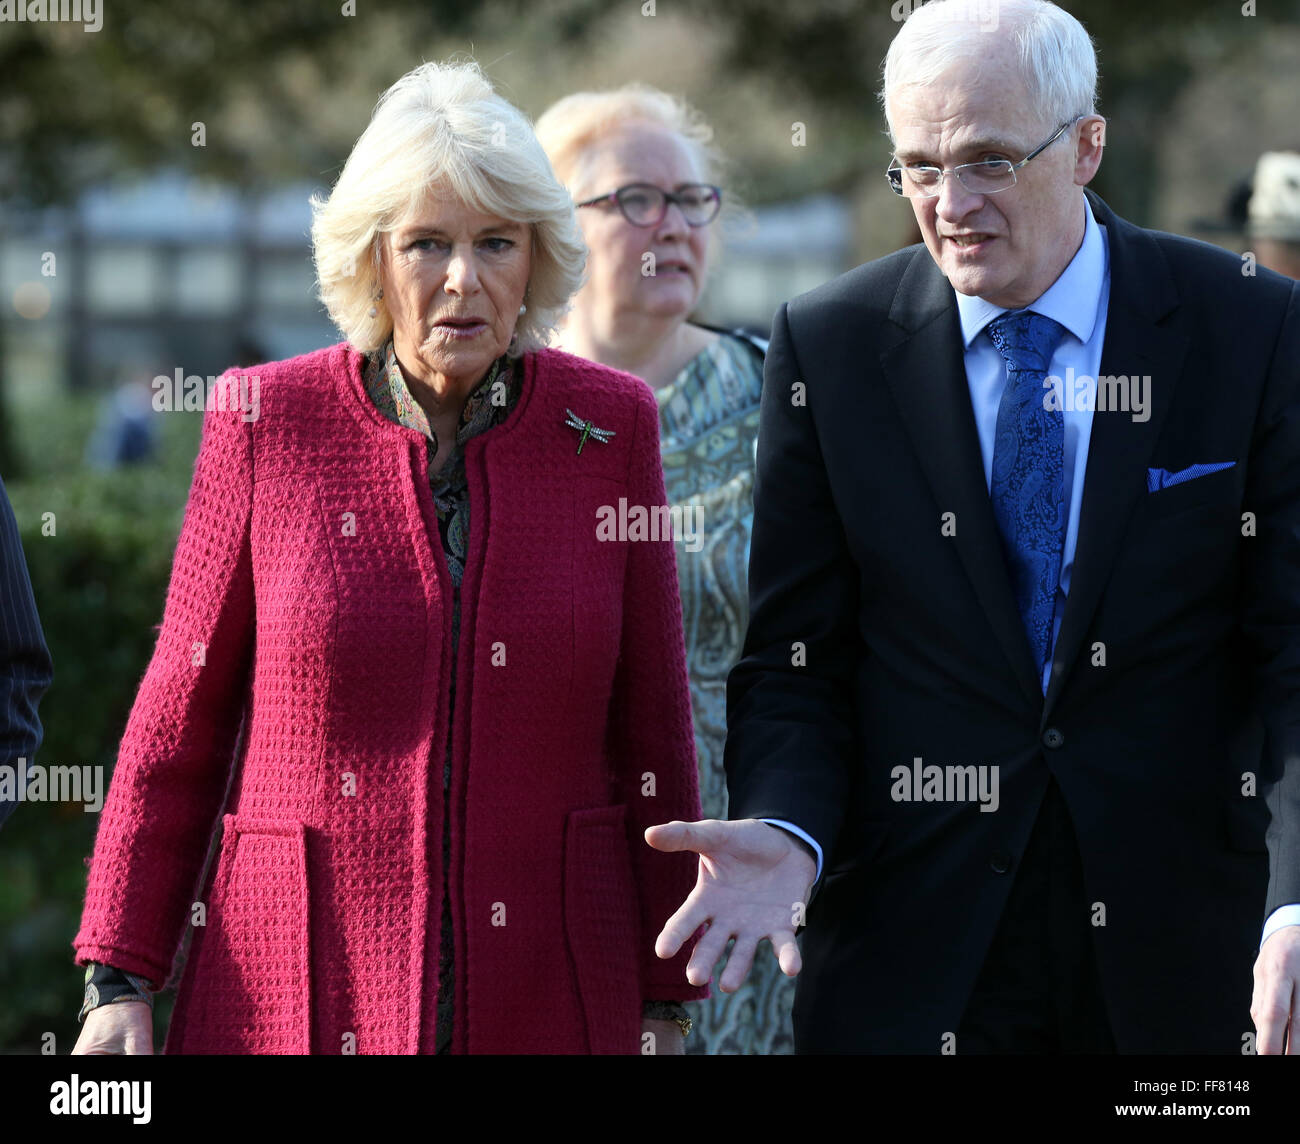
x=251, y=981
x=602, y=923
x=1215, y=489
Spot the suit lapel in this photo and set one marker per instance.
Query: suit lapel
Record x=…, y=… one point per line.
x=1142, y=293
x=927, y=374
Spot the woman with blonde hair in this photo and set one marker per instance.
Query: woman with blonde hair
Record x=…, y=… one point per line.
x=430, y=707
x=645, y=175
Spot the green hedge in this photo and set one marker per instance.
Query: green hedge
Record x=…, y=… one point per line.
x=100, y=581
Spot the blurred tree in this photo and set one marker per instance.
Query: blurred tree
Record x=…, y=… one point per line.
x=79, y=106
x=832, y=49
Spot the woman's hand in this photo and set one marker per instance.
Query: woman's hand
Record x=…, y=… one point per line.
x=668, y=1040
x=123, y=1028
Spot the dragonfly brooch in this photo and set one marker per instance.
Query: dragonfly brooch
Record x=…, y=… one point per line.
x=587, y=429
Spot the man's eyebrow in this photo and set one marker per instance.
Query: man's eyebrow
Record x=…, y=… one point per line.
x=975, y=147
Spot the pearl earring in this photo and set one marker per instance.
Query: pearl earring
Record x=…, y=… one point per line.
x=374, y=312
x=523, y=309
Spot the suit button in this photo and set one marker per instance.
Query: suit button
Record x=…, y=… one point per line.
x=1053, y=738
x=1000, y=863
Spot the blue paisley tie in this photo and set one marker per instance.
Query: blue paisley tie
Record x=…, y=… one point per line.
x=1028, y=456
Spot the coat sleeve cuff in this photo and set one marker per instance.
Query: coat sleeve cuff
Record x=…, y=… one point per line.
x=151, y=970
x=1282, y=916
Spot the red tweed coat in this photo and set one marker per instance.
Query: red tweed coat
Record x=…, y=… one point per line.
x=307, y=598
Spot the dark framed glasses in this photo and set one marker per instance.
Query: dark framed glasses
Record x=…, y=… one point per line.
x=644, y=204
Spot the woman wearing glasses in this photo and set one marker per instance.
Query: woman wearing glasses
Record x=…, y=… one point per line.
x=643, y=173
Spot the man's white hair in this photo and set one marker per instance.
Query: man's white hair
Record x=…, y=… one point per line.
x=441, y=132
x=1057, y=56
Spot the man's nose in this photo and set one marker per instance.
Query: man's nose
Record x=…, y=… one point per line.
x=955, y=201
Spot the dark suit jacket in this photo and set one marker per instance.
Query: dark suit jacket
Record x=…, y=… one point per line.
x=912, y=646
x=25, y=668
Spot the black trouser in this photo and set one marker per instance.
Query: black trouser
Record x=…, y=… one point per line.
x=1039, y=991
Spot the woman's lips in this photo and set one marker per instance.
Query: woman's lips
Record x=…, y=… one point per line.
x=461, y=328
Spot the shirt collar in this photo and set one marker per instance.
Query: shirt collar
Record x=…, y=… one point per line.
x=1070, y=300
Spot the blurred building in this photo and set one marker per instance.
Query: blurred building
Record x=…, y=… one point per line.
x=166, y=270
x=778, y=252
x=169, y=272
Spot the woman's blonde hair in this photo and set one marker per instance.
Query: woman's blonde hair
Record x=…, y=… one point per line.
x=442, y=130
x=571, y=128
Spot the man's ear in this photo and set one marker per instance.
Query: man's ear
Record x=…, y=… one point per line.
x=1089, y=148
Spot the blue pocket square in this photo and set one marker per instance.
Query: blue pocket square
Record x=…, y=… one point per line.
x=1162, y=478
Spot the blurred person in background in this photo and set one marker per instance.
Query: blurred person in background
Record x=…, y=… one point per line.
x=1273, y=217
x=436, y=745
x=125, y=433
x=644, y=172
x=26, y=670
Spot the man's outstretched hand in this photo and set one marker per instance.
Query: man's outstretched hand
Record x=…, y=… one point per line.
x=753, y=883
x=1275, y=1005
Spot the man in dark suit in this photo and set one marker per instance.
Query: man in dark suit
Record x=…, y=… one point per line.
x=1025, y=573
x=25, y=668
